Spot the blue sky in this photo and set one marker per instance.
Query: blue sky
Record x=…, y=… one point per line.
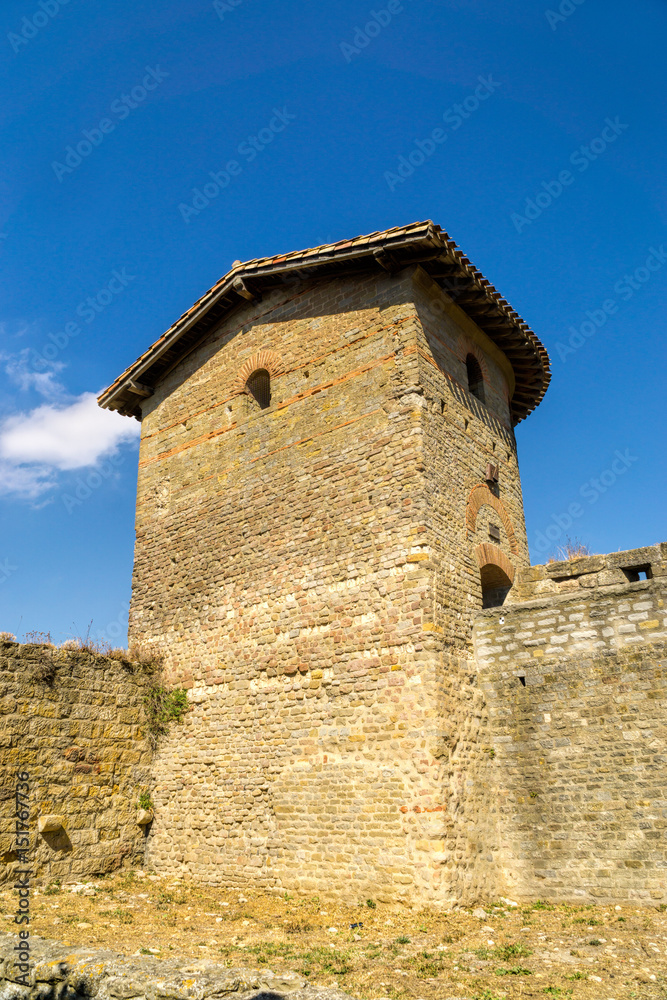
x=99, y=256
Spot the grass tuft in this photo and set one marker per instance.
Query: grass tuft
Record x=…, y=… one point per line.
x=507, y=951
x=164, y=706
x=514, y=970
x=145, y=801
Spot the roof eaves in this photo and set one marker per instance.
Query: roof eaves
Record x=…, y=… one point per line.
x=478, y=297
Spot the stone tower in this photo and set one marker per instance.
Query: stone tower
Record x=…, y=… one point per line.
x=328, y=492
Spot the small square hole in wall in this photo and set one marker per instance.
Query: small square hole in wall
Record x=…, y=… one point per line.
x=494, y=532
x=522, y=680
x=637, y=573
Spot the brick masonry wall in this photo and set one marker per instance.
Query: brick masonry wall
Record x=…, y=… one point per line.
x=290, y=564
x=580, y=768
x=74, y=723
x=461, y=436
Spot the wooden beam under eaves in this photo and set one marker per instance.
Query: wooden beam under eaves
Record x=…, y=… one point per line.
x=244, y=290
x=138, y=388
x=386, y=261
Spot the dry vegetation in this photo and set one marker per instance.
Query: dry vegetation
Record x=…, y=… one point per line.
x=146, y=657
x=570, y=549
x=370, y=950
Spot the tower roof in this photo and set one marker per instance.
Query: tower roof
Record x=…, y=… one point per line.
x=422, y=243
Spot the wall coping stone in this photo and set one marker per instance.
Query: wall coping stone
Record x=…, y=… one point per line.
x=551, y=600
x=595, y=572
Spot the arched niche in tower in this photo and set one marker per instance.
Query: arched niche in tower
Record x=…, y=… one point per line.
x=496, y=574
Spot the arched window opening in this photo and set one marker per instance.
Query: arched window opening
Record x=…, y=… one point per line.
x=259, y=387
x=495, y=586
x=475, y=377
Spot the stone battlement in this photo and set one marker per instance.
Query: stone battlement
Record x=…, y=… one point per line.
x=587, y=573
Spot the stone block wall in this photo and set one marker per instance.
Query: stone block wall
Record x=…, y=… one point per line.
x=355, y=781
x=290, y=562
x=279, y=565
x=74, y=723
x=590, y=575
x=576, y=693
x=253, y=525
x=461, y=436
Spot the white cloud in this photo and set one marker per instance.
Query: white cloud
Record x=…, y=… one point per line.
x=27, y=482
x=54, y=437
x=19, y=370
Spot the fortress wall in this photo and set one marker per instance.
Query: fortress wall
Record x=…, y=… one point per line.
x=73, y=722
x=285, y=567
x=329, y=782
x=461, y=436
x=311, y=573
x=269, y=540
x=280, y=564
x=580, y=765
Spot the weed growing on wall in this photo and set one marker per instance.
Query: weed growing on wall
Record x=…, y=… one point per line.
x=163, y=706
x=145, y=801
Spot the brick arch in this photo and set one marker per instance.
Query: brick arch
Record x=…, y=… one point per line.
x=480, y=495
x=270, y=361
x=467, y=346
x=488, y=554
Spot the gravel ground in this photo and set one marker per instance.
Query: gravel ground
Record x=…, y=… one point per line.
x=370, y=950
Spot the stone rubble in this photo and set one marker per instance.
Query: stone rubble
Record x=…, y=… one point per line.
x=77, y=973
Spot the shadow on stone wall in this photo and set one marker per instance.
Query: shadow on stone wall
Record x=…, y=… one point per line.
x=73, y=723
